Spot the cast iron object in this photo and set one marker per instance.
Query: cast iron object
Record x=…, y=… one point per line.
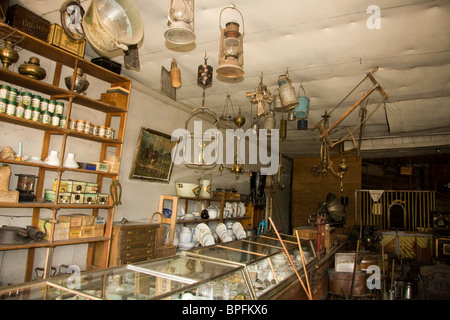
x=18, y=235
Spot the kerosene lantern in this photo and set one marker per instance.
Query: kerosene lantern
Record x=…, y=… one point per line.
x=181, y=22
x=25, y=186
x=231, y=53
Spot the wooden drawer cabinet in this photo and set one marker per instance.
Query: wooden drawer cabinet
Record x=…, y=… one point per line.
x=132, y=242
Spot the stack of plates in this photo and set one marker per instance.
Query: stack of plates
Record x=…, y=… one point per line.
x=221, y=231
x=204, y=235
x=238, y=230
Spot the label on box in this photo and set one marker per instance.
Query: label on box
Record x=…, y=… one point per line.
x=91, y=187
x=64, y=185
x=74, y=232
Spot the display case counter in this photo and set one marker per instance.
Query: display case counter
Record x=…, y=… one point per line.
x=248, y=269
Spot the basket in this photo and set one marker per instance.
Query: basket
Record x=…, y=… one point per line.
x=166, y=250
x=161, y=231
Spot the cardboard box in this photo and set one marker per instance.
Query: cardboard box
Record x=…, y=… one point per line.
x=79, y=187
x=74, y=220
x=60, y=232
x=103, y=198
x=90, y=198
x=63, y=198
x=99, y=230
x=87, y=231
x=91, y=187
x=74, y=232
x=87, y=220
x=76, y=198
x=9, y=196
x=64, y=185
x=58, y=38
x=115, y=98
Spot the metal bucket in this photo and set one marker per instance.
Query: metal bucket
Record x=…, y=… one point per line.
x=113, y=24
x=302, y=110
x=302, y=124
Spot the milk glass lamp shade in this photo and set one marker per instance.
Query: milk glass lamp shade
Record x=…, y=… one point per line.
x=180, y=22
x=231, y=53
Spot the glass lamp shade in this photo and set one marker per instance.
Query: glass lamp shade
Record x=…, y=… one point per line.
x=231, y=52
x=181, y=22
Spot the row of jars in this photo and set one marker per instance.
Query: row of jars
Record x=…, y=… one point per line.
x=90, y=128
x=31, y=106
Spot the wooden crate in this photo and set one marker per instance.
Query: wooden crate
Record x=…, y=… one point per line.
x=28, y=22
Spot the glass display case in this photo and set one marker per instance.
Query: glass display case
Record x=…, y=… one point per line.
x=244, y=269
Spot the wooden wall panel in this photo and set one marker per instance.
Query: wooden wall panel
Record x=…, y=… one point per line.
x=309, y=191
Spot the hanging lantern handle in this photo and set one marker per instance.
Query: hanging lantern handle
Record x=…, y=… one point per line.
x=233, y=7
x=301, y=86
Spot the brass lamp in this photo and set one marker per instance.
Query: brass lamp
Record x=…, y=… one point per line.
x=181, y=22
x=231, y=53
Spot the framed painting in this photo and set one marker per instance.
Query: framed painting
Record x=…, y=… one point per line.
x=152, y=158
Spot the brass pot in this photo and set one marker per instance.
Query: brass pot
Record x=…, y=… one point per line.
x=32, y=69
x=8, y=54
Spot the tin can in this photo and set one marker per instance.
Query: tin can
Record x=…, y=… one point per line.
x=113, y=132
x=36, y=114
x=95, y=130
x=101, y=131
x=11, y=107
x=12, y=94
x=62, y=121
x=73, y=124
x=108, y=132
x=4, y=91
x=59, y=108
x=3, y=104
x=55, y=120
x=26, y=98
x=46, y=117
x=44, y=104
x=27, y=114
x=20, y=110
x=36, y=101
x=51, y=106
x=87, y=127
x=19, y=98
x=80, y=126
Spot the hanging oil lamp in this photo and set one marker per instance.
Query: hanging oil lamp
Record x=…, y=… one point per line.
x=8, y=55
x=228, y=103
x=231, y=53
x=180, y=22
x=239, y=119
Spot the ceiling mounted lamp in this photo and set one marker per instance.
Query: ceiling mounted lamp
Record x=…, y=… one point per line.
x=204, y=79
x=231, y=53
x=181, y=22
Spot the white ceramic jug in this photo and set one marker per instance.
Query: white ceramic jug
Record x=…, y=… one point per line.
x=213, y=212
x=185, y=235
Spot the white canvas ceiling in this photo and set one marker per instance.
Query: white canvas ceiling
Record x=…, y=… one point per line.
x=328, y=46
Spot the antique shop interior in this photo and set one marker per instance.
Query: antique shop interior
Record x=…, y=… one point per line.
x=214, y=150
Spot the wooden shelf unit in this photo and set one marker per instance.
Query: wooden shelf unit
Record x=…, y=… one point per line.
x=221, y=198
x=74, y=100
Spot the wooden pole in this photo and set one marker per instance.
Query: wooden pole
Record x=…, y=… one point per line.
x=290, y=260
x=303, y=262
